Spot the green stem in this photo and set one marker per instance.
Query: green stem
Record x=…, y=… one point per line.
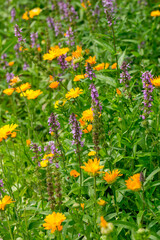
x=95, y=202
x=10, y=232
x=115, y=200
x=115, y=49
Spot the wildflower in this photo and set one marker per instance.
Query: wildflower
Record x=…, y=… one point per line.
x=125, y=76
x=148, y=89
x=62, y=62
x=10, y=64
x=78, y=77
x=54, y=124
x=44, y=163
x=91, y=60
x=111, y=177
x=82, y=206
x=1, y=186
x=92, y=166
x=55, y=52
x=156, y=81
x=25, y=16
x=70, y=35
x=14, y=80
x=94, y=96
x=114, y=66
x=155, y=13
x=106, y=228
x=118, y=91
x=101, y=202
x=133, y=183
x=77, y=53
x=34, y=12
x=87, y=115
x=82, y=122
x=59, y=103
x=33, y=37
x=7, y=130
x=31, y=94
x=89, y=72
x=108, y=10
x=92, y=153
x=68, y=59
x=14, y=134
x=8, y=91
x=54, y=221
x=106, y=65
x=54, y=84
x=9, y=76
x=74, y=173
x=13, y=14
x=23, y=87
x=99, y=67
x=74, y=93
x=17, y=32
x=5, y=201
x=28, y=142
x=88, y=129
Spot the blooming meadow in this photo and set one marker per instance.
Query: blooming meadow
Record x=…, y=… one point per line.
x=80, y=120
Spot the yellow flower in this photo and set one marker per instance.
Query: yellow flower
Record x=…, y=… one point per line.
x=82, y=206
x=11, y=64
x=87, y=115
x=6, y=200
x=31, y=94
x=111, y=177
x=47, y=156
x=92, y=166
x=74, y=93
x=23, y=87
x=54, y=84
x=7, y=130
x=133, y=183
x=114, y=66
x=99, y=67
x=118, y=91
x=53, y=222
x=68, y=59
x=59, y=103
x=25, y=16
x=92, y=153
x=55, y=52
x=106, y=65
x=8, y=91
x=155, y=13
x=101, y=202
x=34, y=12
x=156, y=81
x=78, y=77
x=14, y=80
x=106, y=228
x=91, y=60
x=88, y=129
x=77, y=53
x=74, y=173
x=103, y=223
x=44, y=163
x=28, y=142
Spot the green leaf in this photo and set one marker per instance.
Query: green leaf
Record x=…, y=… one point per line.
x=124, y=224
x=151, y=176
x=106, y=80
x=121, y=59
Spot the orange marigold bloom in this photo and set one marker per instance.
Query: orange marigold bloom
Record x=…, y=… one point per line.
x=68, y=59
x=54, y=84
x=14, y=80
x=103, y=223
x=28, y=142
x=118, y=91
x=82, y=206
x=77, y=53
x=25, y=16
x=74, y=173
x=7, y=130
x=101, y=202
x=106, y=228
x=91, y=60
x=53, y=222
x=156, y=81
x=6, y=200
x=82, y=122
x=114, y=66
x=39, y=49
x=11, y=64
x=133, y=183
x=73, y=93
x=31, y=94
x=51, y=78
x=106, y=65
x=155, y=13
x=92, y=166
x=87, y=115
x=23, y=87
x=78, y=77
x=88, y=129
x=111, y=177
x=8, y=91
x=99, y=67
x=13, y=135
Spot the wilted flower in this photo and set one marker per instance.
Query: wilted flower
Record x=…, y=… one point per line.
x=106, y=228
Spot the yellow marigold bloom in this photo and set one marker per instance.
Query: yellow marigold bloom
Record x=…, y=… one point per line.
x=77, y=53
x=14, y=80
x=118, y=91
x=54, y=84
x=11, y=64
x=34, y=12
x=82, y=206
x=7, y=130
x=6, y=200
x=92, y=166
x=111, y=177
x=23, y=87
x=55, y=52
x=106, y=228
x=88, y=129
x=114, y=66
x=74, y=93
x=74, y=173
x=78, y=77
x=106, y=65
x=133, y=183
x=92, y=153
x=47, y=156
x=53, y=221
x=25, y=16
x=68, y=59
x=8, y=91
x=28, y=142
x=101, y=202
x=99, y=67
x=59, y=103
x=155, y=13
x=87, y=115
x=91, y=60
x=44, y=163
x=31, y=94
x=156, y=81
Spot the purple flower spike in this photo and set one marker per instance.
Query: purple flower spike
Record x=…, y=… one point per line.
x=13, y=14
x=17, y=32
x=53, y=123
x=89, y=72
x=108, y=9
x=125, y=76
x=1, y=187
x=94, y=96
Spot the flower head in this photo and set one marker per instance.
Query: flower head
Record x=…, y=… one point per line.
x=101, y=202
x=92, y=153
x=31, y=94
x=54, y=84
x=34, y=12
x=133, y=183
x=6, y=200
x=87, y=115
x=155, y=13
x=10, y=64
x=7, y=130
x=91, y=60
x=92, y=166
x=14, y=80
x=78, y=78
x=23, y=87
x=55, y=52
x=28, y=142
x=156, y=81
x=111, y=177
x=74, y=93
x=53, y=222
x=106, y=228
x=8, y=91
x=114, y=66
x=44, y=163
x=74, y=173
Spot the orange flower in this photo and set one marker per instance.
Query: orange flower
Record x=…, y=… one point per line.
x=23, y=87
x=88, y=129
x=53, y=222
x=82, y=206
x=55, y=52
x=87, y=115
x=25, y=16
x=106, y=228
x=31, y=94
x=106, y=65
x=118, y=91
x=28, y=142
x=92, y=166
x=8, y=91
x=99, y=67
x=156, y=81
x=13, y=135
x=112, y=176
x=78, y=77
x=11, y=64
x=155, y=13
x=6, y=200
x=103, y=223
x=101, y=202
x=82, y=122
x=133, y=183
x=54, y=84
x=68, y=59
x=39, y=49
x=114, y=66
x=34, y=12
x=92, y=153
x=91, y=60
x=14, y=80
x=51, y=78
x=77, y=53
x=74, y=173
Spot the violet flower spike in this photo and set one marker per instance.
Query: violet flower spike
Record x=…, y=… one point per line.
x=108, y=10
x=125, y=76
x=94, y=96
x=89, y=72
